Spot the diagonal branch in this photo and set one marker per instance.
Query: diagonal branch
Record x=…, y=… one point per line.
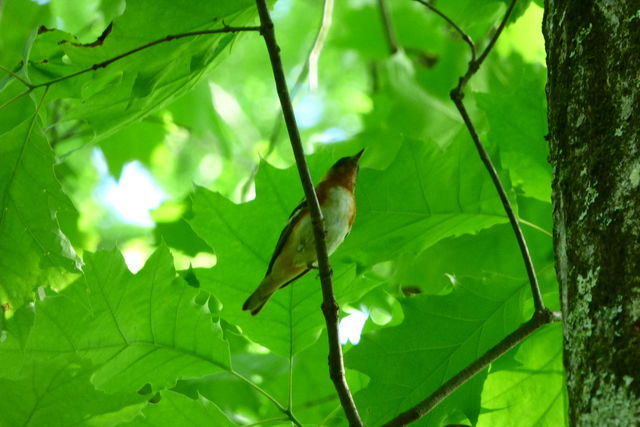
x=538, y=320
x=166, y=39
x=542, y=315
x=106, y=63
x=464, y=35
x=329, y=304
x=457, y=96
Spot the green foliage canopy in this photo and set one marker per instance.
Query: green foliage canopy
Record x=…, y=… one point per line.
x=430, y=259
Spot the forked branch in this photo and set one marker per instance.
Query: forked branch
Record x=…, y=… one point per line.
x=542, y=315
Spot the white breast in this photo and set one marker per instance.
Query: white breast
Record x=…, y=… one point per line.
x=336, y=211
x=336, y=217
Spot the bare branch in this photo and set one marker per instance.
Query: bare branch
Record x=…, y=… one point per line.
x=460, y=31
x=486, y=160
x=541, y=315
x=329, y=304
x=538, y=320
x=456, y=96
x=166, y=39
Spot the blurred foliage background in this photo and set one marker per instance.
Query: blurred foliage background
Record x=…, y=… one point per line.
x=179, y=150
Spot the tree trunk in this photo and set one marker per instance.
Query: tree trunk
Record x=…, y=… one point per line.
x=593, y=55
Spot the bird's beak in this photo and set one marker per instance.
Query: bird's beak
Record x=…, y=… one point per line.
x=357, y=156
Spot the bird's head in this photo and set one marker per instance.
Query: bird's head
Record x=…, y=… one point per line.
x=345, y=171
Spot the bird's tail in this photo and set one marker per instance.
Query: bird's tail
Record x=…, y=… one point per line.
x=259, y=298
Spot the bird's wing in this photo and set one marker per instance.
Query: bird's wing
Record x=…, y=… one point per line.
x=295, y=216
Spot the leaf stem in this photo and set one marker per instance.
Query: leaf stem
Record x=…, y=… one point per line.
x=15, y=98
x=534, y=226
x=16, y=76
x=318, y=44
x=329, y=305
x=539, y=319
x=286, y=411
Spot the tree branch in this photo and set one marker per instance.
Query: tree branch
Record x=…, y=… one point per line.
x=486, y=160
x=541, y=315
x=104, y=64
x=329, y=304
x=387, y=23
x=464, y=35
x=539, y=319
x=457, y=96
x=166, y=39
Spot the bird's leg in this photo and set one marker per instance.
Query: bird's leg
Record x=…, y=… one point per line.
x=310, y=266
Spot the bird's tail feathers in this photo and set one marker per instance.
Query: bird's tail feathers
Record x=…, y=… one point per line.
x=265, y=291
x=258, y=299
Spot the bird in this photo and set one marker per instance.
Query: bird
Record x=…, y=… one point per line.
x=295, y=252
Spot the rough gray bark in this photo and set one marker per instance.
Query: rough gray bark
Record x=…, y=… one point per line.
x=593, y=58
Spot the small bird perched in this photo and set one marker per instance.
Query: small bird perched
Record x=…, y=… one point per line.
x=295, y=252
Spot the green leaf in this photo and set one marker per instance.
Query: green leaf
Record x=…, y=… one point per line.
x=175, y=409
x=109, y=98
x=135, y=142
x=33, y=250
x=531, y=372
x=516, y=112
x=136, y=330
x=429, y=193
x=18, y=21
x=60, y=393
x=439, y=336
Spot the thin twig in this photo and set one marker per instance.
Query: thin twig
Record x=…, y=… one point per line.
x=286, y=411
x=541, y=315
x=456, y=96
x=329, y=304
x=327, y=13
x=535, y=227
x=166, y=39
x=474, y=65
x=465, y=36
x=486, y=160
x=103, y=64
x=389, y=30
x=494, y=39
x=16, y=76
x=538, y=320
x=15, y=98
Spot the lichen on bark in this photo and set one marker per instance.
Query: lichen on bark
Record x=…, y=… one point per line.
x=593, y=91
